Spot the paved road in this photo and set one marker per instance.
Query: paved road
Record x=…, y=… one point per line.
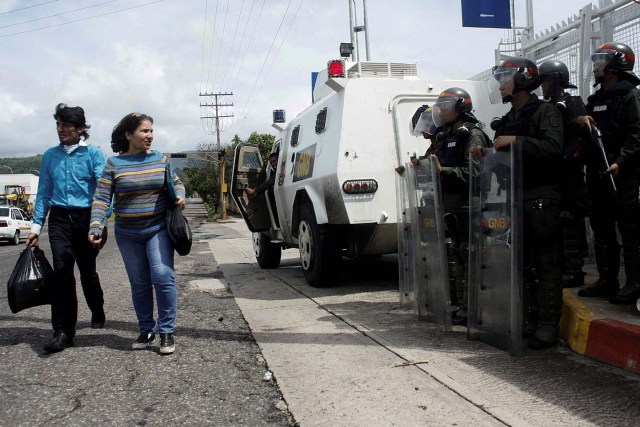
x=215, y=377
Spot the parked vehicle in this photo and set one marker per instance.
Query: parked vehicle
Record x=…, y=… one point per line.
x=15, y=224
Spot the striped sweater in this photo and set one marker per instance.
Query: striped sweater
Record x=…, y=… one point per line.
x=136, y=184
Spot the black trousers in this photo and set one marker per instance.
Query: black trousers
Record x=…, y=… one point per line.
x=68, y=235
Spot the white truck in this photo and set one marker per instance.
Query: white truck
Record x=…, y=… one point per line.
x=335, y=188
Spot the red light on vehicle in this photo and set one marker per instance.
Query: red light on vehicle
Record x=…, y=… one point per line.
x=360, y=186
x=336, y=68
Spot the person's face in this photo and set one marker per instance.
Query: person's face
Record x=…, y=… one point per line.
x=273, y=161
x=68, y=134
x=506, y=85
x=141, y=138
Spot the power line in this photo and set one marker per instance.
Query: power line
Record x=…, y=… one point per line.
x=57, y=14
x=27, y=7
x=82, y=19
x=224, y=25
x=248, y=45
x=213, y=36
x=277, y=52
x=233, y=41
x=204, y=41
x=266, y=58
x=235, y=62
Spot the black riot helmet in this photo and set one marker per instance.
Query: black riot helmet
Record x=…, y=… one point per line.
x=615, y=58
x=512, y=75
x=453, y=103
x=555, y=76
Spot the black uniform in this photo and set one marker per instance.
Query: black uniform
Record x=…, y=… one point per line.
x=574, y=189
x=539, y=133
x=453, y=154
x=616, y=112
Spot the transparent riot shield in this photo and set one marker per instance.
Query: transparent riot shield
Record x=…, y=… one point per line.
x=495, y=258
x=405, y=235
x=428, y=252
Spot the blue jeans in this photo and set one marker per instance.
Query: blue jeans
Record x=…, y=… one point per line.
x=148, y=258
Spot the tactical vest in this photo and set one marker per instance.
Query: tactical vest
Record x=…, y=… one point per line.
x=451, y=153
x=604, y=107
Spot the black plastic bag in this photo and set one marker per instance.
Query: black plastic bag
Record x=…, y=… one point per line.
x=179, y=230
x=28, y=285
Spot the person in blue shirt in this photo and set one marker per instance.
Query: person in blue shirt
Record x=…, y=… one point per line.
x=69, y=174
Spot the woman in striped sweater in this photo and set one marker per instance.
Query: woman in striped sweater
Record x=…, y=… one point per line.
x=135, y=180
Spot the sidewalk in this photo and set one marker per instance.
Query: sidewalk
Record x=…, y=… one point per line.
x=353, y=355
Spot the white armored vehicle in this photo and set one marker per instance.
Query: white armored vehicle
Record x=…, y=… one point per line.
x=335, y=187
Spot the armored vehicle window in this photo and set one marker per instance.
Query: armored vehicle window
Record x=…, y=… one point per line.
x=250, y=160
x=4, y=212
x=321, y=120
x=294, y=136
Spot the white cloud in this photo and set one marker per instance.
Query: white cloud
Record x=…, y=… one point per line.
x=156, y=59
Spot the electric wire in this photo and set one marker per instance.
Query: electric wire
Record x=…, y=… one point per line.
x=244, y=32
x=57, y=14
x=276, y=55
x=224, y=26
x=265, y=59
x=204, y=42
x=248, y=45
x=213, y=36
x=27, y=7
x=81, y=19
x=233, y=42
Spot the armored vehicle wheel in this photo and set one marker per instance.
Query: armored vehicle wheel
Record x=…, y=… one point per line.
x=319, y=255
x=268, y=254
x=16, y=238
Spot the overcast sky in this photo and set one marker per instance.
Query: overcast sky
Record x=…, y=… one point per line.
x=115, y=57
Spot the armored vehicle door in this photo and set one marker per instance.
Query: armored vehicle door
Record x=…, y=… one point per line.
x=248, y=172
x=495, y=264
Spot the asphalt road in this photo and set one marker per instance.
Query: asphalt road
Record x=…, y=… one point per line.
x=215, y=377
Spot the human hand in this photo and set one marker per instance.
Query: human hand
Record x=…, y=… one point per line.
x=436, y=163
x=180, y=203
x=477, y=152
x=585, y=122
x=614, y=169
x=32, y=240
x=400, y=170
x=95, y=241
x=503, y=141
x=250, y=191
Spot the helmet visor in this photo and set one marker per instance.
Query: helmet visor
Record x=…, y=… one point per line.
x=501, y=83
x=425, y=124
x=444, y=111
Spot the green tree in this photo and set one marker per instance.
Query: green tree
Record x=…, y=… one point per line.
x=264, y=142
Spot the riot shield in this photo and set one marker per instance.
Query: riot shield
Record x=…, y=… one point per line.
x=495, y=258
x=405, y=235
x=428, y=252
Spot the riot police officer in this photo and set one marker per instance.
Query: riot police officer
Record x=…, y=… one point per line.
x=555, y=76
x=536, y=128
x=459, y=131
x=615, y=110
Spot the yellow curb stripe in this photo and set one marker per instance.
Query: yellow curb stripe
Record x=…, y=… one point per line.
x=575, y=321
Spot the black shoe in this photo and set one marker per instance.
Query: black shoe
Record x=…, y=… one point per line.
x=97, y=320
x=143, y=341
x=601, y=288
x=627, y=295
x=546, y=336
x=59, y=342
x=573, y=279
x=167, y=344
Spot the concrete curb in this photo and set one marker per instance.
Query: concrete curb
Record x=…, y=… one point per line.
x=607, y=340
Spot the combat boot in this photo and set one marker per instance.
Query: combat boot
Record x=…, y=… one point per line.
x=546, y=336
x=631, y=290
x=627, y=295
x=601, y=288
x=574, y=279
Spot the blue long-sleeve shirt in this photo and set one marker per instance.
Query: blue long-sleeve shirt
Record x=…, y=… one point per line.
x=67, y=180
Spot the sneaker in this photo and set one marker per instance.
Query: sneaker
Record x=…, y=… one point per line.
x=144, y=340
x=167, y=344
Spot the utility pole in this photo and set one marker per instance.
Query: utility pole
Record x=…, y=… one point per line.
x=217, y=118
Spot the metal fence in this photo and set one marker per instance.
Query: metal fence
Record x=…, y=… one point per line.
x=573, y=40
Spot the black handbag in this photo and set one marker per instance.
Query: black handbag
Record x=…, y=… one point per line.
x=29, y=283
x=177, y=225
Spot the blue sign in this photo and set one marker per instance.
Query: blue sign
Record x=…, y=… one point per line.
x=314, y=77
x=486, y=13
